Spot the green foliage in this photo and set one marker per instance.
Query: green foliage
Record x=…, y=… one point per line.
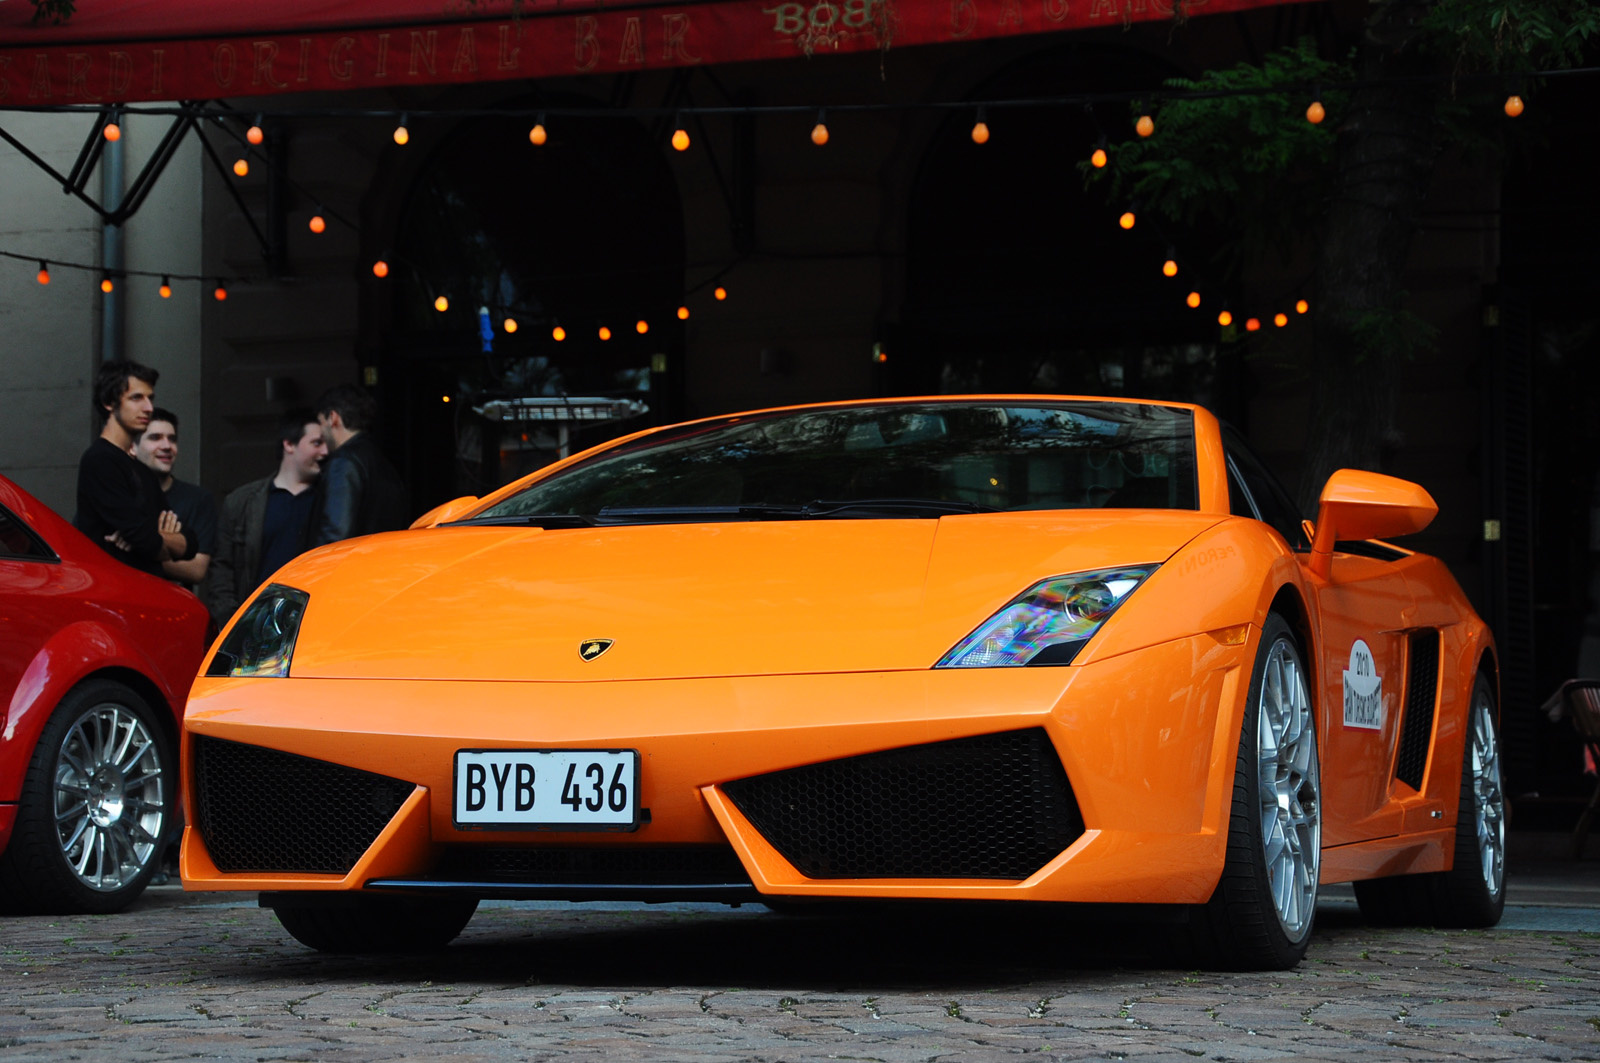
x=1511, y=36
x=1391, y=333
x=55, y=12
x=1245, y=157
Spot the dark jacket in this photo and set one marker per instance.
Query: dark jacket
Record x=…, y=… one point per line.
x=118, y=494
x=238, y=556
x=359, y=493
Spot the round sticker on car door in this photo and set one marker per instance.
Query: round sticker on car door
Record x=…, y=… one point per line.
x=1363, y=690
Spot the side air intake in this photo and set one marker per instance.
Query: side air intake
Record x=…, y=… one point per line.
x=1422, y=695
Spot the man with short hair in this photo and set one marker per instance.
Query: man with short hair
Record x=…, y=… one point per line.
x=120, y=502
x=360, y=492
x=264, y=522
x=157, y=448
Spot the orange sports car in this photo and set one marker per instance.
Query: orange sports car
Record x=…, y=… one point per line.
x=1000, y=648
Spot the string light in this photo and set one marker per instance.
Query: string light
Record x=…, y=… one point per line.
x=1127, y=220
x=1316, y=112
x=537, y=135
x=819, y=132
x=1098, y=158
x=444, y=398
x=683, y=313
x=441, y=304
x=221, y=293
x=720, y=294
x=1193, y=300
x=1252, y=324
x=605, y=333
x=558, y=333
x=380, y=268
x=1280, y=319
x=402, y=135
x=1301, y=307
x=1145, y=126
x=1224, y=319
x=106, y=285
x=112, y=132
x=641, y=326
x=317, y=223
x=1169, y=268
x=44, y=272
x=510, y=325
x=680, y=136
x=241, y=167
x=254, y=134
x=165, y=290
x=980, y=129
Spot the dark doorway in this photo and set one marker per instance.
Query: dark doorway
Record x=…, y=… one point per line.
x=1021, y=280
x=580, y=234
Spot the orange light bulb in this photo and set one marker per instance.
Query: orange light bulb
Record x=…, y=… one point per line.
x=241, y=167
x=112, y=132
x=819, y=134
x=165, y=290
x=1098, y=159
x=380, y=268
x=641, y=326
x=1145, y=125
x=720, y=294
x=1169, y=268
x=1301, y=307
x=441, y=304
x=106, y=285
x=1252, y=324
x=1193, y=300
x=44, y=275
x=1513, y=107
x=1224, y=319
x=1127, y=220
x=680, y=140
x=1316, y=112
x=317, y=223
x=221, y=294
x=537, y=135
x=402, y=135
x=1280, y=319
x=683, y=313
x=980, y=133
x=510, y=325
x=254, y=134
x=558, y=333
x=605, y=333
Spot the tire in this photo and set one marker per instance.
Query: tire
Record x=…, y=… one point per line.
x=1260, y=917
x=1473, y=892
x=96, y=808
x=363, y=923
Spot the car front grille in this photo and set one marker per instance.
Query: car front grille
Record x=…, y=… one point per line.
x=995, y=806
x=266, y=810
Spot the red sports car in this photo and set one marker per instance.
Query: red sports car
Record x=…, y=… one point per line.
x=96, y=659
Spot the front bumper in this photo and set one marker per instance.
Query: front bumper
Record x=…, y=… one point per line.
x=1147, y=741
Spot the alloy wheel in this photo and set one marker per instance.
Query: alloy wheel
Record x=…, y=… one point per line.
x=110, y=796
x=1289, y=789
x=1488, y=799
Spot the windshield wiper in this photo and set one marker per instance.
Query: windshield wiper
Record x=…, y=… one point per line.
x=916, y=506
x=525, y=520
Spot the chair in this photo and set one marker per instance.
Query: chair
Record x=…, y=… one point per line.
x=1581, y=701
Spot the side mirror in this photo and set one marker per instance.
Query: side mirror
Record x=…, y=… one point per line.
x=450, y=511
x=1366, y=505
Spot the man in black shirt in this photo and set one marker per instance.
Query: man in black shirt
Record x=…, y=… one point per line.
x=120, y=502
x=157, y=447
x=360, y=492
x=264, y=522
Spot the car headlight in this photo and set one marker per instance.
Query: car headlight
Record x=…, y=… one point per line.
x=262, y=642
x=1049, y=622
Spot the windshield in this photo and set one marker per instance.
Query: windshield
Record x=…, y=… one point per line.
x=916, y=460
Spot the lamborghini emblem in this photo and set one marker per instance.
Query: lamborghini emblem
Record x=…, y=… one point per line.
x=589, y=649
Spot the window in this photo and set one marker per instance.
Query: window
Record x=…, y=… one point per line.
x=17, y=540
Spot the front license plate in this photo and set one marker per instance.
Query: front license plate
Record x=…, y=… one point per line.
x=547, y=789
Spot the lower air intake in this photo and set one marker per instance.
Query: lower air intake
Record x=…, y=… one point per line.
x=995, y=806
x=265, y=810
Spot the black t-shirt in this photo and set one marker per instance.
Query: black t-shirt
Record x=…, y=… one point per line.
x=283, y=529
x=118, y=494
x=197, y=510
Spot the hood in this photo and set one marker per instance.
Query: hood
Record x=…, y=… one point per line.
x=692, y=600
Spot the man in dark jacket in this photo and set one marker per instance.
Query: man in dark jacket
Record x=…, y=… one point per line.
x=120, y=502
x=359, y=492
x=264, y=522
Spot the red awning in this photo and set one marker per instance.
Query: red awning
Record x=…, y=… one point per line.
x=118, y=51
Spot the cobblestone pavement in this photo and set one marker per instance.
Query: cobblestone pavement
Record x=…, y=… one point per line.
x=211, y=976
